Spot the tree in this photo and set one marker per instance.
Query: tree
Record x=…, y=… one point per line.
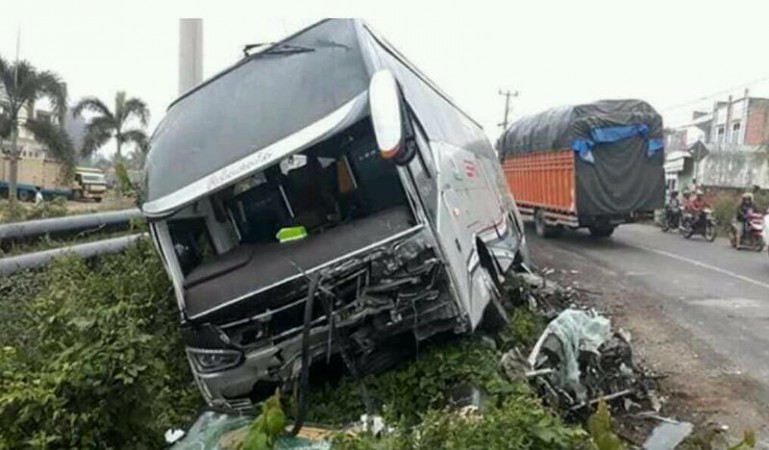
x=24, y=85
x=106, y=124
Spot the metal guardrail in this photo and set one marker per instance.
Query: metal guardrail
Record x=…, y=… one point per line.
x=62, y=226
x=12, y=264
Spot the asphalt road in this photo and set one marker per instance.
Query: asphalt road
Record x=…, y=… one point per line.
x=721, y=295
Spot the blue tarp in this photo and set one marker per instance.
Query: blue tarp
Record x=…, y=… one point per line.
x=607, y=135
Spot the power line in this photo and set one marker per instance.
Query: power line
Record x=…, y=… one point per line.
x=715, y=94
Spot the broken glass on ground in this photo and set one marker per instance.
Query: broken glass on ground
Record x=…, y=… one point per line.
x=667, y=435
x=221, y=431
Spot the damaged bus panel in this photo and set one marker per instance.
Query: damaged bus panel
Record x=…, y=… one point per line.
x=322, y=198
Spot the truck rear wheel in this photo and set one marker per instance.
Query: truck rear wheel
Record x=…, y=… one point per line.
x=542, y=228
x=24, y=195
x=601, y=231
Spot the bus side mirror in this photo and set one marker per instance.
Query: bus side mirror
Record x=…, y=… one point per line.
x=387, y=116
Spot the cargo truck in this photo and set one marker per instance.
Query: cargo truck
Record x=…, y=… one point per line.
x=48, y=175
x=43, y=173
x=89, y=184
x=596, y=165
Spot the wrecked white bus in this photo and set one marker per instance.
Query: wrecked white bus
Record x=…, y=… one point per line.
x=319, y=199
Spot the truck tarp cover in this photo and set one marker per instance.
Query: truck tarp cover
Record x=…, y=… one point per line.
x=617, y=148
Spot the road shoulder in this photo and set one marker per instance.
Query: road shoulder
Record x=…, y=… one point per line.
x=697, y=383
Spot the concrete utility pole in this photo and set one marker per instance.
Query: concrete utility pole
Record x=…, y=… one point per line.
x=508, y=94
x=190, y=54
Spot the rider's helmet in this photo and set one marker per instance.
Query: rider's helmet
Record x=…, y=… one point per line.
x=699, y=193
x=747, y=197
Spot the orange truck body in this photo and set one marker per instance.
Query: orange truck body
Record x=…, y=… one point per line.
x=542, y=180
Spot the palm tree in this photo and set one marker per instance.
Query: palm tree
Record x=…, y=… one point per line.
x=24, y=85
x=107, y=124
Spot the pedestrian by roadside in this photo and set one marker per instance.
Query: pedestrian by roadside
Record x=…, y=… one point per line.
x=38, y=196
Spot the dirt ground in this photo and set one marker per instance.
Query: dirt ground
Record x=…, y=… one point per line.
x=696, y=385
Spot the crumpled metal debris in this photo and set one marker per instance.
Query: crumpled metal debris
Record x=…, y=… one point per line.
x=539, y=294
x=565, y=338
x=578, y=359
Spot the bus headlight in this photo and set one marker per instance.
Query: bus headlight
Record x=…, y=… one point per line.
x=214, y=360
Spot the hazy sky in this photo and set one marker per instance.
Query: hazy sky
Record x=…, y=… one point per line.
x=674, y=54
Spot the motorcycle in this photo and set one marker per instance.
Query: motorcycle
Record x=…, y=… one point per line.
x=753, y=238
x=671, y=219
x=766, y=226
x=704, y=223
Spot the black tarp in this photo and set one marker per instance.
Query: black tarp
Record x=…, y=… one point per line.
x=619, y=177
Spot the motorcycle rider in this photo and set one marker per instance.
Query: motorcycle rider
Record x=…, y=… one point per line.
x=743, y=215
x=697, y=206
x=673, y=208
x=687, y=208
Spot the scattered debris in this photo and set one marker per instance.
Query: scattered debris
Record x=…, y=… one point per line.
x=578, y=360
x=667, y=435
x=467, y=395
x=540, y=295
x=209, y=430
x=173, y=435
x=220, y=431
x=561, y=345
x=371, y=424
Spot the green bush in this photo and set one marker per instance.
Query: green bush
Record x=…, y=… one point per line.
x=56, y=207
x=415, y=399
x=12, y=212
x=518, y=422
x=91, y=357
x=403, y=395
x=18, y=212
x=724, y=210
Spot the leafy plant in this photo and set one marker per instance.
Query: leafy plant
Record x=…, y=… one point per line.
x=12, y=212
x=724, y=210
x=415, y=399
x=269, y=425
x=524, y=329
x=599, y=427
x=57, y=207
x=519, y=422
x=748, y=441
x=404, y=394
x=91, y=357
x=16, y=212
